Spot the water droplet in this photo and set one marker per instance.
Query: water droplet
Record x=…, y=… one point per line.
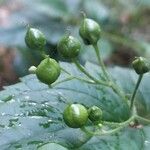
x=21, y=114
x=29, y=134
x=20, y=125
x=27, y=97
x=16, y=115
x=47, y=91
x=12, y=100
x=46, y=103
x=36, y=117
x=32, y=103
x=3, y=114
x=146, y=142
x=46, y=124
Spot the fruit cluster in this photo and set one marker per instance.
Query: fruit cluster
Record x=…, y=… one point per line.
x=48, y=71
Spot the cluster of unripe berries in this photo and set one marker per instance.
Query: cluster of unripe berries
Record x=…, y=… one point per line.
x=77, y=115
x=68, y=47
x=48, y=71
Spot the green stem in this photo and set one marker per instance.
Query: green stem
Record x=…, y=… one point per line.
x=110, y=84
x=143, y=120
x=78, y=78
x=119, y=126
x=82, y=69
x=115, y=88
x=43, y=54
x=110, y=132
x=64, y=70
x=135, y=90
x=100, y=61
x=107, y=123
x=64, y=80
x=71, y=78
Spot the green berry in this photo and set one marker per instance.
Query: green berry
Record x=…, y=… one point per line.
x=69, y=47
x=90, y=31
x=75, y=115
x=141, y=65
x=48, y=71
x=35, y=39
x=95, y=114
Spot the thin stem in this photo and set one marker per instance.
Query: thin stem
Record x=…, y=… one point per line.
x=111, y=123
x=71, y=78
x=119, y=126
x=100, y=61
x=115, y=88
x=64, y=80
x=64, y=70
x=78, y=78
x=110, y=84
x=135, y=90
x=110, y=132
x=82, y=69
x=144, y=120
x=43, y=54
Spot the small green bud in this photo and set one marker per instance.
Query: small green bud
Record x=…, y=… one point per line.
x=32, y=70
x=141, y=65
x=90, y=31
x=95, y=114
x=35, y=39
x=69, y=47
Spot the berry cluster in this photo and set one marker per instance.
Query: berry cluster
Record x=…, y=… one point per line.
x=48, y=71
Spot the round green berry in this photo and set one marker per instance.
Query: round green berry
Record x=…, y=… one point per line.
x=141, y=65
x=35, y=39
x=75, y=115
x=90, y=31
x=48, y=71
x=69, y=47
x=95, y=114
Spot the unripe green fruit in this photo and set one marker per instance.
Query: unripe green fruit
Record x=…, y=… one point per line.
x=95, y=114
x=141, y=65
x=48, y=71
x=90, y=31
x=69, y=47
x=35, y=39
x=75, y=115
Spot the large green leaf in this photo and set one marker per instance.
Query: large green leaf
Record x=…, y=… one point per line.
x=31, y=112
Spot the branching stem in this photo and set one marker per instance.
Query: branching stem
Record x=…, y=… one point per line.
x=114, y=87
x=119, y=126
x=109, y=132
x=83, y=70
x=110, y=84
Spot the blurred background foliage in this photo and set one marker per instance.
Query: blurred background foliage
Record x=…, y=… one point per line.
x=125, y=31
